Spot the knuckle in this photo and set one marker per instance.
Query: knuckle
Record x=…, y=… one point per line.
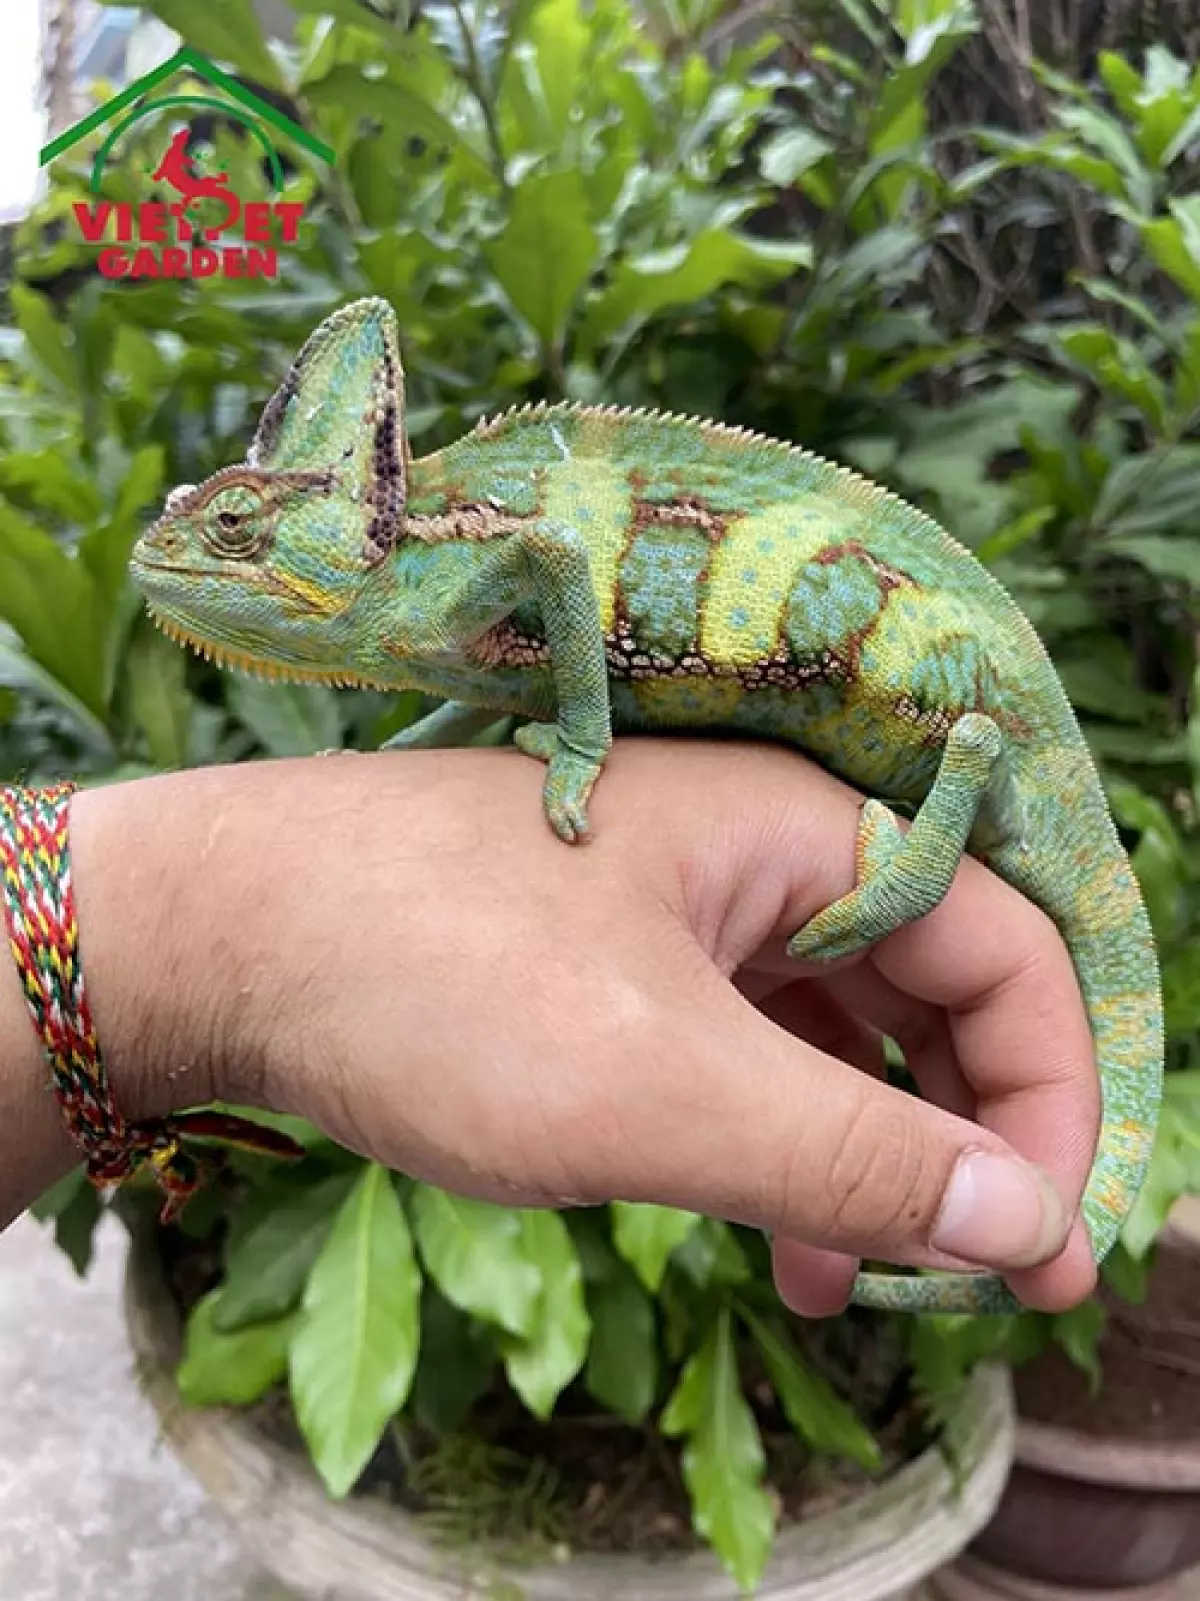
x=882, y=1184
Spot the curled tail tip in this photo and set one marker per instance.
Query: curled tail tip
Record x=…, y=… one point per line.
x=976, y=1293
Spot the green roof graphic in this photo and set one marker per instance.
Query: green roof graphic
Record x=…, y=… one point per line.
x=192, y=61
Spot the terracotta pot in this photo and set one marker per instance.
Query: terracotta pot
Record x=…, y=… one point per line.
x=1086, y=1515
x=971, y=1579
x=1104, y=1514
x=877, y=1548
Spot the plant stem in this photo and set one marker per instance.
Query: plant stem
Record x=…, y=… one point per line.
x=477, y=83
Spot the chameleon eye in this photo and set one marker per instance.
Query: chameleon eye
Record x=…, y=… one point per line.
x=237, y=526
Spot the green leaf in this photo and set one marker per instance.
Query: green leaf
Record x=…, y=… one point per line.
x=1184, y=132
x=225, y=30
x=542, y=1364
x=1016, y=533
x=1172, y=241
x=1099, y=676
x=106, y=549
x=790, y=153
x=814, y=1409
x=1181, y=992
x=1167, y=1178
x=1156, y=859
x=1154, y=492
x=546, y=251
x=75, y=1227
x=265, y=1270
x=51, y=601
x=47, y=339
x=353, y=1356
x=158, y=696
x=299, y=1129
x=372, y=173
x=1116, y=364
x=52, y=1202
x=1121, y=81
x=230, y=1369
x=48, y=481
x=1078, y=1333
x=723, y=1460
x=458, y=1359
x=1125, y=1274
x=881, y=252
x=1177, y=560
x=395, y=105
x=560, y=39
x=286, y=719
x=1106, y=135
x=685, y=273
x=711, y=1255
x=645, y=1236
x=20, y=672
x=476, y=1255
x=932, y=34
x=622, y=1362
x=358, y=14
x=1114, y=295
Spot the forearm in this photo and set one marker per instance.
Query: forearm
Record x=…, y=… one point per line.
x=203, y=934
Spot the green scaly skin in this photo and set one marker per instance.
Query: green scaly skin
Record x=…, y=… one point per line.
x=597, y=571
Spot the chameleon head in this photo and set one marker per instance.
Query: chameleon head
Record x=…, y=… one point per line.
x=269, y=563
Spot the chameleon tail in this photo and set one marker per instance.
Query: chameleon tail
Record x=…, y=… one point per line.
x=1087, y=887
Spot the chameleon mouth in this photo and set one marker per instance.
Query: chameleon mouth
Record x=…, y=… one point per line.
x=255, y=666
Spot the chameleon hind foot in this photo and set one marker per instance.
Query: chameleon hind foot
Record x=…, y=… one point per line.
x=570, y=778
x=900, y=877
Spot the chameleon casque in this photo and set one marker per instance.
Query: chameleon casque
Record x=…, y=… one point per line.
x=599, y=570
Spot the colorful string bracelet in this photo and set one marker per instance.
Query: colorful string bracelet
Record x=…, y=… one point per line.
x=38, y=897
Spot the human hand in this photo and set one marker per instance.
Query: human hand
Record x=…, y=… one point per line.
x=399, y=950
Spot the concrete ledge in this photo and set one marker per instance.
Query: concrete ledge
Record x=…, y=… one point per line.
x=92, y=1505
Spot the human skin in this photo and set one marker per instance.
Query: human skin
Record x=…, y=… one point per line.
x=396, y=948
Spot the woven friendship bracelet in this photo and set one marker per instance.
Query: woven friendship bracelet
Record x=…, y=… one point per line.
x=39, y=905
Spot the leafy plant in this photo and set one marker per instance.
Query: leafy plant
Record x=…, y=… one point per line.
x=650, y=207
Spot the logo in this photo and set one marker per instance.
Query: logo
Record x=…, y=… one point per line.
x=200, y=227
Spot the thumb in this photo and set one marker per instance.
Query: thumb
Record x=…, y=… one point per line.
x=784, y=1137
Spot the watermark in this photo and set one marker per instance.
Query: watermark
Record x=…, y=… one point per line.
x=201, y=227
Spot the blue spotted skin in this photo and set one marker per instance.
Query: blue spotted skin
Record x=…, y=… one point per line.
x=599, y=571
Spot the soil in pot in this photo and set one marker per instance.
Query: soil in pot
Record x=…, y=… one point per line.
x=584, y=1479
x=1151, y=1365
x=1106, y=1491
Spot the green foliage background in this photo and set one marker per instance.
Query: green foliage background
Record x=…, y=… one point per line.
x=783, y=225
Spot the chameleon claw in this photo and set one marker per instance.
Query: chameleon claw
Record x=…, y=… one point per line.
x=569, y=784
x=570, y=779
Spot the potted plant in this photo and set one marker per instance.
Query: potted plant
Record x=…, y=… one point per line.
x=506, y=1394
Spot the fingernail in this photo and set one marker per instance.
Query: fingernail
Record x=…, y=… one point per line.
x=1000, y=1212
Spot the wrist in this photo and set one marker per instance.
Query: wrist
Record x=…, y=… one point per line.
x=140, y=948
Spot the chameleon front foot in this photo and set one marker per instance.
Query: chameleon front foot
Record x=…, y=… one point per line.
x=570, y=778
